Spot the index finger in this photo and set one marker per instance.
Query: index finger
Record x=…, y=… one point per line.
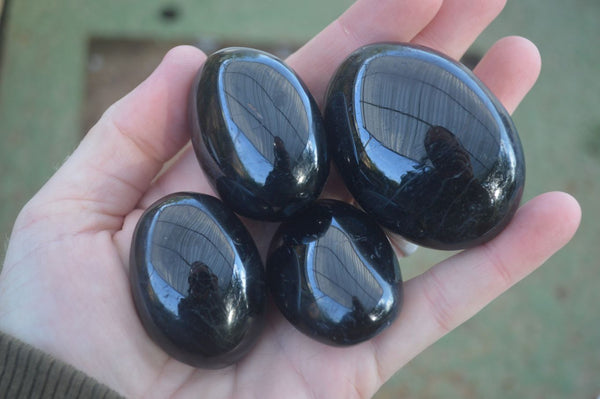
x=363, y=23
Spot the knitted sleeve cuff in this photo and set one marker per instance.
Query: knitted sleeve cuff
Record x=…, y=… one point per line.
x=27, y=372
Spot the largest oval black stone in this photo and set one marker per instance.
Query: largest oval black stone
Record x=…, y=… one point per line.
x=424, y=146
x=258, y=134
x=197, y=280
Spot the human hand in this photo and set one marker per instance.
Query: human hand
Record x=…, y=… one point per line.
x=64, y=287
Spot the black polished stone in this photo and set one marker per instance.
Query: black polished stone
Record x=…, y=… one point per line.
x=334, y=275
x=197, y=280
x=424, y=146
x=258, y=134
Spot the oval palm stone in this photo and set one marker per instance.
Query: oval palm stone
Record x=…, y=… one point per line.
x=197, y=280
x=334, y=275
x=424, y=146
x=258, y=134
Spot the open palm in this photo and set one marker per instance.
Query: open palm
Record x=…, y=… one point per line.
x=64, y=287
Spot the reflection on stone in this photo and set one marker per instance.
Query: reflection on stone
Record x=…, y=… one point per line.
x=334, y=275
x=197, y=280
x=423, y=146
x=258, y=134
x=447, y=155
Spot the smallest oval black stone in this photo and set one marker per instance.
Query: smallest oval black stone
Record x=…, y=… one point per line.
x=334, y=275
x=197, y=280
x=258, y=134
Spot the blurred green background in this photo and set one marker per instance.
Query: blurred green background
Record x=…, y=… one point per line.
x=64, y=61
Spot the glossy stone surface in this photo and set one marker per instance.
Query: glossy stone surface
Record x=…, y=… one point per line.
x=197, y=280
x=258, y=134
x=334, y=275
x=424, y=146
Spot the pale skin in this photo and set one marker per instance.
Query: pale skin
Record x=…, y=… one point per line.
x=64, y=287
